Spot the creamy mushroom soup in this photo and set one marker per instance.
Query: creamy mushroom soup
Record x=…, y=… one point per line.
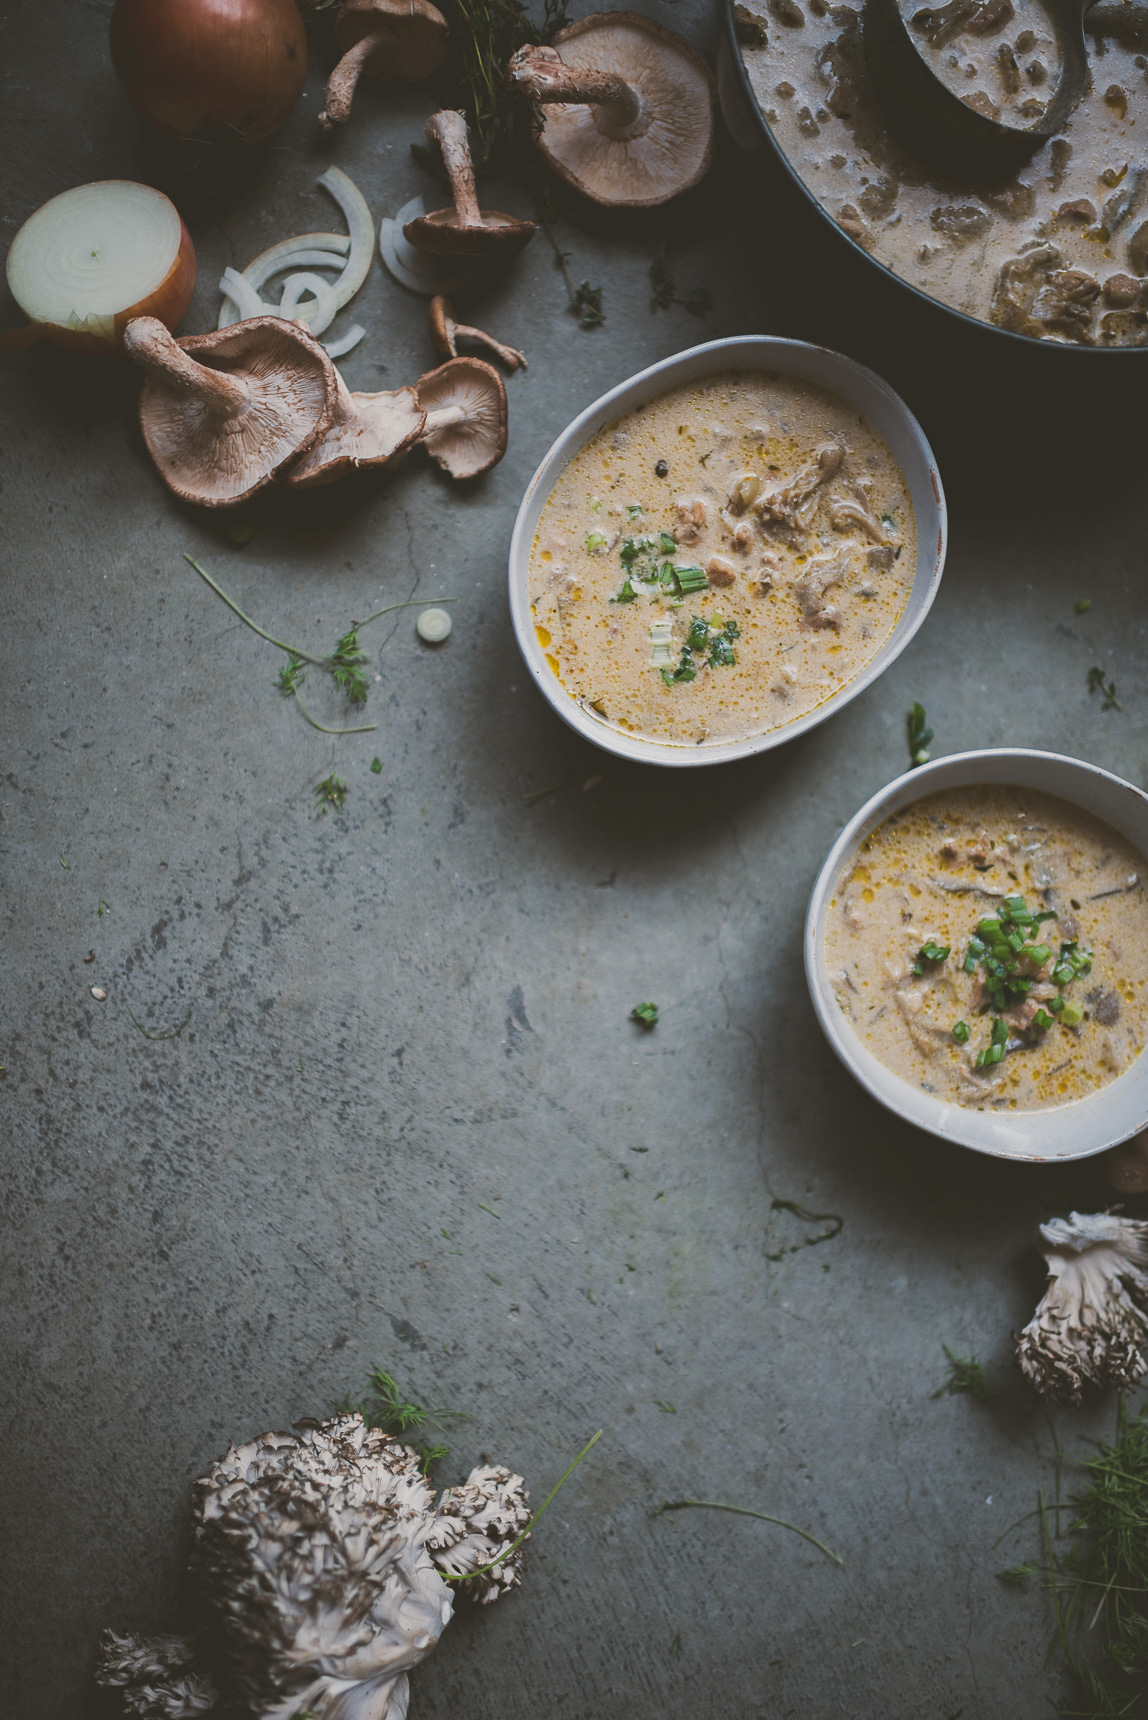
x=1056, y=250
x=989, y=945
x=722, y=560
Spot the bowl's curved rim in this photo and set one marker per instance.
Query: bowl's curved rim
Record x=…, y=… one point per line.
x=586, y=424
x=1025, y=342
x=996, y=1134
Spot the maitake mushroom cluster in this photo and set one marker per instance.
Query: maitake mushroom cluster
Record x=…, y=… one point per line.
x=1092, y=1322
x=321, y=1553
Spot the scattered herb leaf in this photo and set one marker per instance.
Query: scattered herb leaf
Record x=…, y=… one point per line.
x=663, y=289
x=376, y=766
x=646, y=1014
x=1083, y=605
x=585, y=301
x=966, y=1375
x=102, y=907
x=332, y=791
x=666, y=1407
x=1098, y=684
x=383, y=1406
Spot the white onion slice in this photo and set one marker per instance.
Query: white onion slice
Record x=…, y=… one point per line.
x=307, y=251
x=414, y=269
x=362, y=230
x=345, y=343
x=320, y=313
x=243, y=296
x=97, y=253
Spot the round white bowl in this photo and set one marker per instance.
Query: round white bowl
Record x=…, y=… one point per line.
x=1072, y=1131
x=885, y=411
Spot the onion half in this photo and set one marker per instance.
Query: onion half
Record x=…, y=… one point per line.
x=94, y=257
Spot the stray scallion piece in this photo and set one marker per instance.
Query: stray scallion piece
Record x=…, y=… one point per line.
x=966, y=1375
x=332, y=791
x=961, y=1032
x=919, y=737
x=596, y=541
x=929, y=955
x=645, y=1014
x=1083, y=605
x=690, y=579
x=1098, y=683
x=376, y=766
x=634, y=509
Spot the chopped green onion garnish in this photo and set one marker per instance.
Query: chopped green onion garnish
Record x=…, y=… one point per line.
x=1037, y=954
x=634, y=509
x=1072, y=1015
x=626, y=595
x=961, y=1032
x=690, y=578
x=721, y=652
x=1042, y=1021
x=933, y=952
x=666, y=544
x=1000, y=1031
x=596, y=540
x=698, y=636
x=1056, y=1004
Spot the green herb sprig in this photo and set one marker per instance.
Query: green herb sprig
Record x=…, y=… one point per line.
x=1099, y=683
x=645, y=1014
x=966, y=1375
x=383, y=1406
x=332, y=791
x=664, y=293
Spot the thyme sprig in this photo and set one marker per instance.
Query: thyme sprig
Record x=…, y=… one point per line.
x=664, y=292
x=486, y=33
x=1099, y=683
x=583, y=300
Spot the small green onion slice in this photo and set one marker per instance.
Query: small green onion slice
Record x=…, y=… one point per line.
x=961, y=1032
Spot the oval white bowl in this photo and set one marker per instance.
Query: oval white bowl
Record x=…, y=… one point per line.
x=885, y=411
x=1072, y=1131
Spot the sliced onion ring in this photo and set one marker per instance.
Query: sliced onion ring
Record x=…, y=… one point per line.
x=416, y=270
x=96, y=256
x=358, y=244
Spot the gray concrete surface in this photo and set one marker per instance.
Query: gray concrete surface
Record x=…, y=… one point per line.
x=407, y=1122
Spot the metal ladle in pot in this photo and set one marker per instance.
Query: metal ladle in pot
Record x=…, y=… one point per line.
x=939, y=122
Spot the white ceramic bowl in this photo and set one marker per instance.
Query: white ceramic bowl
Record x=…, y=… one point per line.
x=885, y=411
x=1072, y=1131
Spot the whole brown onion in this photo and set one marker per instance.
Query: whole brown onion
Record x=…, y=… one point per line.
x=186, y=65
